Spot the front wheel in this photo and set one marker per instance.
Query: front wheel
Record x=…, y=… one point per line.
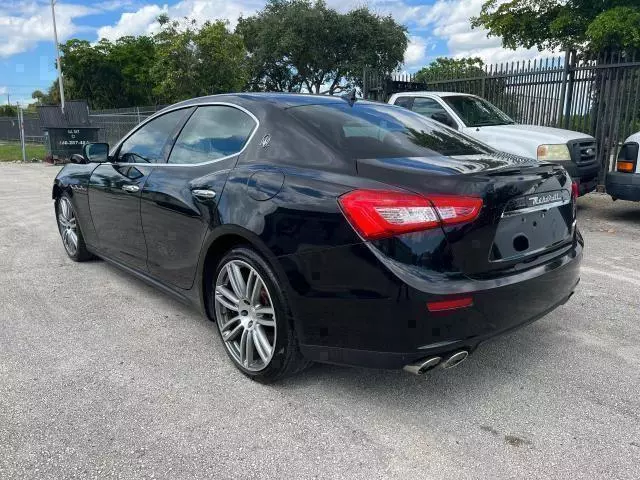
x=69, y=229
x=252, y=314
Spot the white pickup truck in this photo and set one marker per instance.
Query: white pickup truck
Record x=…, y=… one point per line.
x=484, y=121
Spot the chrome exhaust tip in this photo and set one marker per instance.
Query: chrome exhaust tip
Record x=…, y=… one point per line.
x=455, y=359
x=422, y=366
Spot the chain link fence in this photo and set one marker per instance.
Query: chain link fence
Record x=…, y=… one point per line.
x=113, y=124
x=10, y=129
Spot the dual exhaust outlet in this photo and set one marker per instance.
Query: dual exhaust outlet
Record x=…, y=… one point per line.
x=423, y=366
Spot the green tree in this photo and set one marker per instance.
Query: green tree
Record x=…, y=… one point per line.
x=52, y=97
x=38, y=96
x=90, y=73
x=443, y=68
x=567, y=24
x=8, y=111
x=109, y=74
x=618, y=28
x=134, y=57
x=194, y=61
x=295, y=43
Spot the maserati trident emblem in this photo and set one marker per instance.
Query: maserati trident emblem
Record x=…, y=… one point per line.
x=266, y=140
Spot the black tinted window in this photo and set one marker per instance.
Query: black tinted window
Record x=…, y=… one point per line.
x=476, y=112
x=147, y=144
x=369, y=130
x=212, y=132
x=403, y=102
x=427, y=107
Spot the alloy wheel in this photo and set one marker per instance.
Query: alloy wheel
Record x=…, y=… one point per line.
x=68, y=226
x=245, y=315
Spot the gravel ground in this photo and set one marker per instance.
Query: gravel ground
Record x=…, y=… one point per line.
x=102, y=376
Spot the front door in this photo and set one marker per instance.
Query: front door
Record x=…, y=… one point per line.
x=179, y=201
x=115, y=189
x=114, y=199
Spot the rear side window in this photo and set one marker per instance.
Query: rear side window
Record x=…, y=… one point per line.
x=370, y=130
x=427, y=107
x=147, y=144
x=403, y=102
x=211, y=133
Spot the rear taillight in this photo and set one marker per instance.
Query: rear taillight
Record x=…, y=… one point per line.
x=379, y=214
x=575, y=190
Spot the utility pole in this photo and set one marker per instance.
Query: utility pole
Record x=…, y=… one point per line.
x=55, y=39
x=21, y=127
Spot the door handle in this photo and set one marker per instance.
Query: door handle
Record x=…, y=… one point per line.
x=131, y=188
x=203, y=194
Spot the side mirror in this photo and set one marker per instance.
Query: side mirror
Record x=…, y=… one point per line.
x=96, y=152
x=444, y=118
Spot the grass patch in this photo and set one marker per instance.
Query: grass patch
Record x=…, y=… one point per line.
x=11, y=151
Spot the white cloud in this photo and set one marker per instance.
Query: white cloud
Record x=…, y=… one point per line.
x=416, y=52
x=141, y=22
x=450, y=20
x=23, y=25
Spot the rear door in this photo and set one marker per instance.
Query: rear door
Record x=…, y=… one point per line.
x=115, y=188
x=180, y=198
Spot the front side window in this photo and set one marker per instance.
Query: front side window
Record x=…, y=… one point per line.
x=476, y=112
x=211, y=133
x=147, y=144
x=370, y=130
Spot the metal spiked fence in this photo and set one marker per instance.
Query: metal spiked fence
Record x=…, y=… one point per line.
x=599, y=96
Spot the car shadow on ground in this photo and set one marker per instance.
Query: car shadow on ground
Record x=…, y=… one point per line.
x=603, y=207
x=492, y=366
x=631, y=213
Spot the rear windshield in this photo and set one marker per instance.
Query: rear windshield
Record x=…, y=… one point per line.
x=369, y=130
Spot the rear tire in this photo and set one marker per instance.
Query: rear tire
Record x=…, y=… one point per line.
x=69, y=228
x=253, y=317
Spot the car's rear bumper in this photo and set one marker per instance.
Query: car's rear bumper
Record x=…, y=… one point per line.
x=351, y=311
x=623, y=186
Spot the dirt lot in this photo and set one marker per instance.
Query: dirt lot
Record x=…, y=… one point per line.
x=102, y=376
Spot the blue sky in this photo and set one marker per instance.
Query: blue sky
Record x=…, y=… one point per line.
x=436, y=28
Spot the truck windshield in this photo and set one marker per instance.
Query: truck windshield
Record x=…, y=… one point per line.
x=371, y=130
x=476, y=112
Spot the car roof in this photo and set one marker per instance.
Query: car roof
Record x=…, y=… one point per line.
x=283, y=100
x=435, y=94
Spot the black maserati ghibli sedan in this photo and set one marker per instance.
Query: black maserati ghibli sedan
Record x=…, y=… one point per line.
x=327, y=229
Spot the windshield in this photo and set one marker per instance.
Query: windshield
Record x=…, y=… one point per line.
x=369, y=130
x=476, y=112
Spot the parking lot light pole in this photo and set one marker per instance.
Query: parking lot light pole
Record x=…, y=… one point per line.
x=55, y=39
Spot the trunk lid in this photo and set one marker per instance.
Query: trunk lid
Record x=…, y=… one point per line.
x=527, y=212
